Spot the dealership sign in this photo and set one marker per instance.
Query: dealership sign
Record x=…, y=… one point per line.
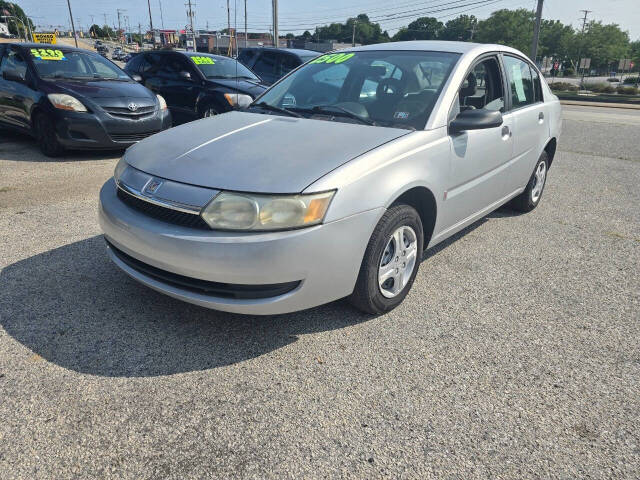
x=44, y=38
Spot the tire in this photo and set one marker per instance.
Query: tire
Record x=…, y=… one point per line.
x=46, y=136
x=530, y=198
x=382, y=255
x=208, y=111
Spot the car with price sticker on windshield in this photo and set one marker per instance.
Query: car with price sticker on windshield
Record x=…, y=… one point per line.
x=335, y=181
x=70, y=98
x=196, y=85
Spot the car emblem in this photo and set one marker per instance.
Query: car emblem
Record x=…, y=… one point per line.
x=153, y=185
x=132, y=106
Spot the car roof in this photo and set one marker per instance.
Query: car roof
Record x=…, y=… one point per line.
x=438, y=46
x=296, y=51
x=47, y=45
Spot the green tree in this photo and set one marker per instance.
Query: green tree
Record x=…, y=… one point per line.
x=508, y=27
x=366, y=32
x=604, y=44
x=15, y=28
x=634, y=53
x=555, y=39
x=460, y=28
x=423, y=28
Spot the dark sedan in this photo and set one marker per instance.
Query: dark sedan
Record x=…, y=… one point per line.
x=196, y=85
x=74, y=99
x=271, y=64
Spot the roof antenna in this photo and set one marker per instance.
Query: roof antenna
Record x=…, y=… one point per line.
x=235, y=32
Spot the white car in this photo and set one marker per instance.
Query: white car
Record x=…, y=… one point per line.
x=335, y=180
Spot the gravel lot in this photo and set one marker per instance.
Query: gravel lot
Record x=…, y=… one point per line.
x=516, y=355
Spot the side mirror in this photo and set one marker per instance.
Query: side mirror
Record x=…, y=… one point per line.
x=14, y=75
x=136, y=77
x=475, y=120
x=185, y=75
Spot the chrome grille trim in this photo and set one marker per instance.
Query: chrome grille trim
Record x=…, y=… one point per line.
x=171, y=205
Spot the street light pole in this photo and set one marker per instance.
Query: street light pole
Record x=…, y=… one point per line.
x=24, y=29
x=536, y=32
x=73, y=27
x=153, y=37
x=275, y=23
x=245, y=25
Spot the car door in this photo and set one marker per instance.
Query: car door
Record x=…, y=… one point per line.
x=265, y=66
x=16, y=98
x=479, y=158
x=179, y=92
x=148, y=70
x=530, y=126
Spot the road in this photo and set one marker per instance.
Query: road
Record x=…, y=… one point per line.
x=516, y=354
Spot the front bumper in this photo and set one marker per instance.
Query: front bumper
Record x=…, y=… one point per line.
x=324, y=259
x=97, y=130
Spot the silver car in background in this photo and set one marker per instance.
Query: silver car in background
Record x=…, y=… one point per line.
x=335, y=180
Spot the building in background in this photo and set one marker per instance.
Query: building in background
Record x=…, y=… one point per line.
x=324, y=46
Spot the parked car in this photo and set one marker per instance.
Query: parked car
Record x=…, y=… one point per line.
x=118, y=54
x=102, y=50
x=196, y=85
x=129, y=56
x=323, y=190
x=74, y=99
x=271, y=64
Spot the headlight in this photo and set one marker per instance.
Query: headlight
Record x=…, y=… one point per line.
x=66, y=102
x=238, y=100
x=162, y=102
x=119, y=170
x=240, y=211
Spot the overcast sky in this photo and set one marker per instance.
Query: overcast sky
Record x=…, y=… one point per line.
x=299, y=15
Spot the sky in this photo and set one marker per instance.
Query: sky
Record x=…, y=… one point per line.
x=298, y=15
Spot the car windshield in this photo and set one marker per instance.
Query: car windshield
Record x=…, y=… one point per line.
x=55, y=63
x=222, y=67
x=385, y=88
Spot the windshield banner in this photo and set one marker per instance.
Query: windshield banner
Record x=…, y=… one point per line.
x=47, y=54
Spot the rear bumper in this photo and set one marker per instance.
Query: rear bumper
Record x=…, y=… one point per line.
x=99, y=131
x=323, y=261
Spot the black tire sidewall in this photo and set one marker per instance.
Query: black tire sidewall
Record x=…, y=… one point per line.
x=46, y=136
x=367, y=294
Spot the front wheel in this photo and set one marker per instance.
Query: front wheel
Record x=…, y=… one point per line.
x=530, y=198
x=209, y=111
x=390, y=262
x=46, y=136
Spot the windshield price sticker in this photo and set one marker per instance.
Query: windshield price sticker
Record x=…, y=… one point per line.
x=203, y=60
x=333, y=58
x=47, y=54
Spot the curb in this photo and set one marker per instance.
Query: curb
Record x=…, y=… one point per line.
x=586, y=103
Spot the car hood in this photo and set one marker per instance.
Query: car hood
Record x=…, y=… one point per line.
x=242, y=86
x=101, y=89
x=255, y=153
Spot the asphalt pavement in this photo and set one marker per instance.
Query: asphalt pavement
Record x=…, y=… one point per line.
x=516, y=354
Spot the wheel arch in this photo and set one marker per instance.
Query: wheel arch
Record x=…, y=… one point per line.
x=550, y=148
x=424, y=201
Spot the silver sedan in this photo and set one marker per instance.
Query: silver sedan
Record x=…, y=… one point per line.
x=335, y=180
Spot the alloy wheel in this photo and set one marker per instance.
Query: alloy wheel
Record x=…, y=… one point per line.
x=397, y=262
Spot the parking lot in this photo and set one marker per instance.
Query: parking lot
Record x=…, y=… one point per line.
x=515, y=355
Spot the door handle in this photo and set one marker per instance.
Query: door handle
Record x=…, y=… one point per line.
x=541, y=117
x=506, y=132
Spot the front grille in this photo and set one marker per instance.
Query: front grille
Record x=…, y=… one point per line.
x=164, y=214
x=131, y=137
x=124, y=112
x=217, y=289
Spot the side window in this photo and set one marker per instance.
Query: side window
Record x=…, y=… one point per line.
x=13, y=60
x=483, y=88
x=150, y=62
x=246, y=56
x=520, y=81
x=266, y=64
x=537, y=85
x=133, y=65
x=173, y=65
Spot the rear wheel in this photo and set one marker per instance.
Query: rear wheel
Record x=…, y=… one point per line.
x=530, y=198
x=47, y=137
x=209, y=111
x=390, y=262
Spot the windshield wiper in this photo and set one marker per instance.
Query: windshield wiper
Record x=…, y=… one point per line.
x=344, y=112
x=273, y=108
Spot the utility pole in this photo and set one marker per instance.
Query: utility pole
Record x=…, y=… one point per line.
x=536, y=32
x=190, y=13
x=161, y=17
x=584, y=25
x=275, y=22
x=246, y=38
x=119, y=10
x=153, y=36
x=73, y=27
x=353, y=34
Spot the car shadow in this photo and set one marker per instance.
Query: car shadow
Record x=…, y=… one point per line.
x=20, y=147
x=73, y=307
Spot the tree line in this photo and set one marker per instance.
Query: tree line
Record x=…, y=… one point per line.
x=605, y=44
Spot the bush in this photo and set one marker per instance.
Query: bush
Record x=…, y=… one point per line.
x=613, y=79
x=631, y=80
x=563, y=87
x=601, y=88
x=627, y=90
x=568, y=72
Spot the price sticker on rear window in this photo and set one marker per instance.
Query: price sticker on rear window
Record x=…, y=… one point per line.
x=333, y=58
x=47, y=54
x=203, y=60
